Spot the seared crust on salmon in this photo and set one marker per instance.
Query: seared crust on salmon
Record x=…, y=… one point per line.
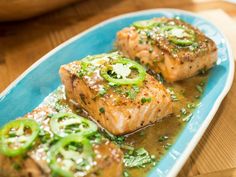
x=118, y=108
x=168, y=46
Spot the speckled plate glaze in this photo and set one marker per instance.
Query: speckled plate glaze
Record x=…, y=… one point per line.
x=26, y=92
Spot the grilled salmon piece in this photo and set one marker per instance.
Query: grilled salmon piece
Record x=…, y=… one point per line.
x=19, y=167
x=168, y=46
x=122, y=99
x=107, y=162
x=107, y=154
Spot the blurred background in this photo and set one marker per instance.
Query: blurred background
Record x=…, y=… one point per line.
x=31, y=28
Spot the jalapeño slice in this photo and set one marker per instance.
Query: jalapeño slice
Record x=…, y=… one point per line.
x=63, y=124
x=17, y=136
x=146, y=24
x=71, y=156
x=119, y=72
x=179, y=35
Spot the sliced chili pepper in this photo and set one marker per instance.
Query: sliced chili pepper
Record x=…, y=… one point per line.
x=63, y=124
x=17, y=136
x=110, y=73
x=71, y=155
x=146, y=24
x=179, y=35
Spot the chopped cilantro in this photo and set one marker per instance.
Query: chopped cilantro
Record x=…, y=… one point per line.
x=61, y=106
x=183, y=111
x=163, y=138
x=141, y=133
x=194, y=46
x=44, y=136
x=132, y=93
x=187, y=118
x=197, y=96
x=146, y=100
x=137, y=158
x=172, y=94
x=127, y=147
x=113, y=84
x=102, y=91
x=175, y=50
x=191, y=105
x=16, y=166
x=102, y=110
x=159, y=77
x=202, y=83
x=178, y=115
x=155, y=61
x=137, y=59
x=119, y=139
x=140, y=41
x=150, y=50
x=167, y=146
x=96, y=138
x=126, y=174
x=148, y=34
x=199, y=88
x=85, y=69
x=116, y=139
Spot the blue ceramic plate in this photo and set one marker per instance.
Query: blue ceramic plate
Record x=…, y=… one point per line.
x=40, y=79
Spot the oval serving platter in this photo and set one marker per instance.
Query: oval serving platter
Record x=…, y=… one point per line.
x=29, y=90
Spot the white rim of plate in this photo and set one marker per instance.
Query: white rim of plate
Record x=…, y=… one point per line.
x=196, y=138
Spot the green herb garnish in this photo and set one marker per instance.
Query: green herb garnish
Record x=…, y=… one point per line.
x=132, y=93
x=102, y=110
x=172, y=94
x=146, y=100
x=116, y=139
x=183, y=111
x=137, y=158
x=126, y=174
x=199, y=88
x=167, y=146
x=191, y=105
x=163, y=138
x=17, y=166
x=188, y=117
x=102, y=91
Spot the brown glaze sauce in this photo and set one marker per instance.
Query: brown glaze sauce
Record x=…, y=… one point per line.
x=186, y=98
x=156, y=138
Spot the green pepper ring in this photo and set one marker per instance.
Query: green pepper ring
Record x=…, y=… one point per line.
x=178, y=41
x=55, y=127
x=5, y=149
x=126, y=81
x=55, y=149
x=143, y=24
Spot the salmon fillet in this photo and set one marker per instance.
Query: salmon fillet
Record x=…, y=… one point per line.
x=121, y=108
x=168, y=46
x=108, y=156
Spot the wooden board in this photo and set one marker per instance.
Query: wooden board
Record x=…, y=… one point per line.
x=22, y=43
x=22, y=9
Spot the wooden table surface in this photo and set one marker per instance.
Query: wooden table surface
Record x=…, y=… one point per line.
x=22, y=43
